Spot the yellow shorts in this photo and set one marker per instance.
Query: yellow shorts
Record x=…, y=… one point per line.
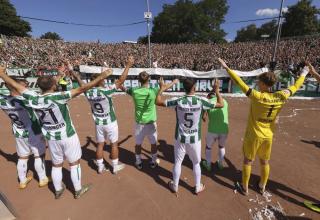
x=255, y=145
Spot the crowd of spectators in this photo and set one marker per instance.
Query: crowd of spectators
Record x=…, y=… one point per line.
x=37, y=53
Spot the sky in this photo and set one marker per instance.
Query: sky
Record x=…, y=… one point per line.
x=108, y=12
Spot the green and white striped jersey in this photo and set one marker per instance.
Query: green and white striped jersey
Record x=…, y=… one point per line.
x=101, y=104
x=23, y=120
x=189, y=113
x=53, y=113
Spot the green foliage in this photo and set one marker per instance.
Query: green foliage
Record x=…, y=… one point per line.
x=301, y=19
x=51, y=36
x=10, y=23
x=189, y=22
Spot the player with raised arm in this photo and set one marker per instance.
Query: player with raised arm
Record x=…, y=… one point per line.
x=264, y=109
x=105, y=118
x=189, y=110
x=53, y=113
x=27, y=132
x=144, y=98
x=218, y=129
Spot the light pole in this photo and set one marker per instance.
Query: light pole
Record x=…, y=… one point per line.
x=278, y=33
x=148, y=17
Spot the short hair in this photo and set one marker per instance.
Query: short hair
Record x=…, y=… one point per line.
x=188, y=84
x=143, y=77
x=45, y=83
x=268, y=78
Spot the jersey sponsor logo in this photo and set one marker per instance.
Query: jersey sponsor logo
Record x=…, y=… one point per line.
x=54, y=127
x=264, y=120
x=190, y=131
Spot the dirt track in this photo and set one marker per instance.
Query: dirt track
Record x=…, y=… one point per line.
x=134, y=194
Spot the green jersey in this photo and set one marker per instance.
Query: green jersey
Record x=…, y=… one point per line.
x=23, y=120
x=189, y=114
x=53, y=113
x=218, y=118
x=144, y=103
x=101, y=104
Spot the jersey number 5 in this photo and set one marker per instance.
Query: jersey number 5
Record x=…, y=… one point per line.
x=188, y=121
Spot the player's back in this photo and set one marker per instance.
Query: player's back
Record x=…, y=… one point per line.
x=218, y=118
x=264, y=110
x=21, y=119
x=53, y=113
x=144, y=101
x=189, y=111
x=101, y=104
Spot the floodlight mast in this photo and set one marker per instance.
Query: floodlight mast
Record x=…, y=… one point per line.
x=278, y=33
x=148, y=17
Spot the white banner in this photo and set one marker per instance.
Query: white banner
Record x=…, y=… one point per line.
x=172, y=72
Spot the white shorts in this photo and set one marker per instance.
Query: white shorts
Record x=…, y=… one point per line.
x=35, y=145
x=68, y=148
x=107, y=132
x=212, y=138
x=143, y=130
x=192, y=150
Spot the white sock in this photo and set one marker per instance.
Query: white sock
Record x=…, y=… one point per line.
x=197, y=174
x=40, y=168
x=221, y=154
x=176, y=173
x=208, y=155
x=114, y=162
x=138, y=158
x=75, y=172
x=154, y=157
x=100, y=163
x=56, y=175
x=22, y=168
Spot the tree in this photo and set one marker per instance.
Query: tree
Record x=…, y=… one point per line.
x=51, y=36
x=301, y=19
x=10, y=23
x=269, y=28
x=189, y=22
x=248, y=33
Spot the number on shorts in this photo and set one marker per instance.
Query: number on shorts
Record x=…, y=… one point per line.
x=98, y=107
x=15, y=119
x=188, y=121
x=43, y=114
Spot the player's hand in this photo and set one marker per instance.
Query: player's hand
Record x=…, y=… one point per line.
x=161, y=83
x=130, y=61
x=216, y=85
x=311, y=68
x=175, y=81
x=223, y=63
x=106, y=73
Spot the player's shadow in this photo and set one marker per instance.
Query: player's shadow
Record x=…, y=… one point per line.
x=127, y=157
x=315, y=143
x=231, y=173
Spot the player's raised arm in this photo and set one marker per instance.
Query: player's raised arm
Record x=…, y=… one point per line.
x=105, y=74
x=8, y=80
x=313, y=72
x=74, y=74
x=164, y=87
x=299, y=82
x=219, y=103
x=125, y=72
x=243, y=86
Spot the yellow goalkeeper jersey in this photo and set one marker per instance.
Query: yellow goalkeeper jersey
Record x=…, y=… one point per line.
x=264, y=107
